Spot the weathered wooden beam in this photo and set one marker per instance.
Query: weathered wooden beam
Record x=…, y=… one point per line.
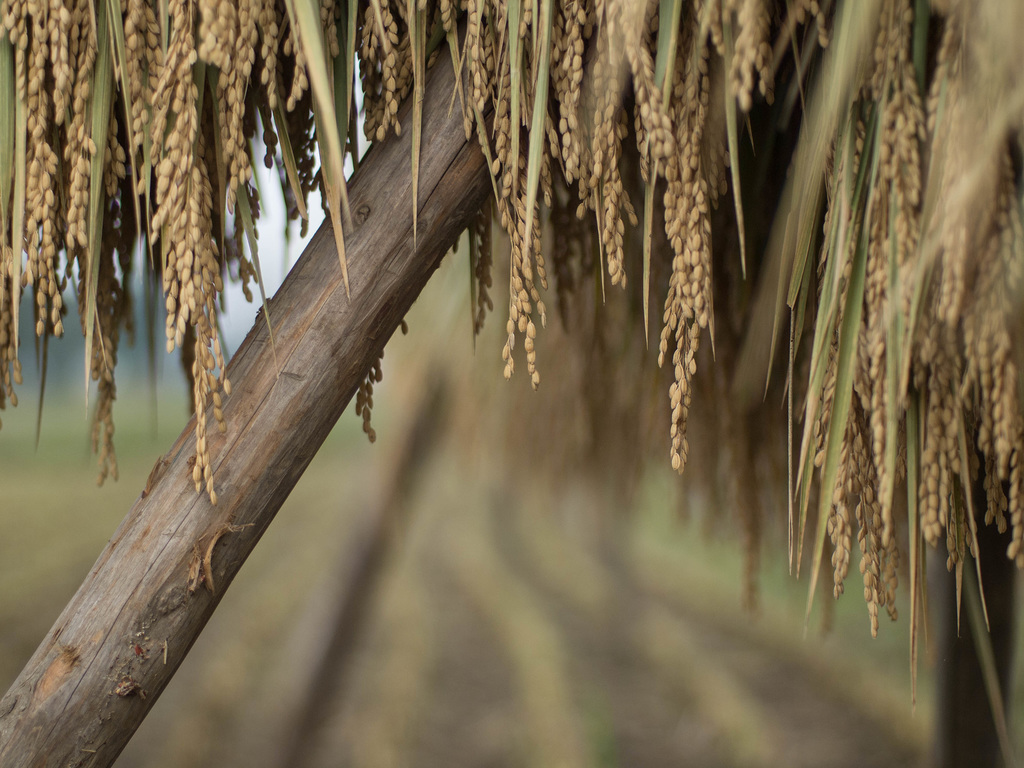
x=119, y=641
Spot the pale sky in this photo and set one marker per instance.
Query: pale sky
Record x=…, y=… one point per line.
x=276, y=257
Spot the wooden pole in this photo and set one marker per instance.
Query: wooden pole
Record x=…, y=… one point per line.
x=119, y=641
x=969, y=732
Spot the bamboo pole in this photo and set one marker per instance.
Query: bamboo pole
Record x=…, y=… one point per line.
x=119, y=641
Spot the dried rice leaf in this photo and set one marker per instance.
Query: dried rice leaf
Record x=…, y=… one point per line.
x=968, y=494
x=418, y=36
x=893, y=365
x=846, y=354
x=164, y=19
x=288, y=157
x=801, y=305
x=545, y=41
x=7, y=133
x=806, y=238
x=796, y=88
x=244, y=212
x=457, y=91
x=305, y=17
x=219, y=182
x=485, y=146
x=347, y=34
x=669, y=14
x=733, y=141
x=378, y=17
x=344, y=75
x=846, y=59
x=349, y=55
x=791, y=531
x=828, y=305
x=825, y=322
x=648, y=227
x=540, y=111
x=955, y=522
x=515, y=56
x=44, y=358
x=100, y=102
x=915, y=542
x=437, y=34
x=927, y=245
x=120, y=74
x=18, y=207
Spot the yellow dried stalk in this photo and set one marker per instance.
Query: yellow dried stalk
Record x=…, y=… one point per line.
x=364, y=397
x=481, y=256
x=158, y=162
x=942, y=274
x=919, y=329
x=10, y=366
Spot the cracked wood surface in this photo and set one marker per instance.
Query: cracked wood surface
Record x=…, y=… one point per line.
x=119, y=641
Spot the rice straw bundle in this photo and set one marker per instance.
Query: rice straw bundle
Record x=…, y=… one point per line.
x=886, y=240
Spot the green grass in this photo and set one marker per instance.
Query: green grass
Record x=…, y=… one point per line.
x=54, y=520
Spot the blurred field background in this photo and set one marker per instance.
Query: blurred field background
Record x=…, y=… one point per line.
x=519, y=617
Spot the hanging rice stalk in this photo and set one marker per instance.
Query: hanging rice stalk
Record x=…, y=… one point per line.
x=873, y=151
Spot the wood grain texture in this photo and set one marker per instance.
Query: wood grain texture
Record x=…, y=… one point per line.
x=120, y=639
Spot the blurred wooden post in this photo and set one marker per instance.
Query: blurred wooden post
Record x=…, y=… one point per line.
x=120, y=639
x=967, y=730
x=323, y=671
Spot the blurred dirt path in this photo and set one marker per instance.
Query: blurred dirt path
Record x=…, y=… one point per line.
x=739, y=698
x=551, y=649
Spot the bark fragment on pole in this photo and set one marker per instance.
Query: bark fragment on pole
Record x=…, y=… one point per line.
x=119, y=641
